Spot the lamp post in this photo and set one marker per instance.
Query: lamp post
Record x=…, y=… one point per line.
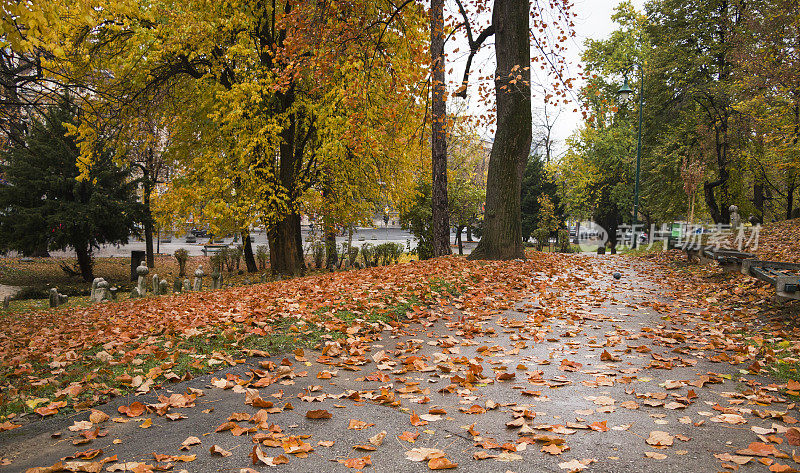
x=624, y=94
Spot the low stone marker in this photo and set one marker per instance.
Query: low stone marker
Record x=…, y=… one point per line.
x=6, y=301
x=177, y=286
x=186, y=286
x=101, y=291
x=198, y=279
x=141, y=286
x=57, y=299
x=216, y=280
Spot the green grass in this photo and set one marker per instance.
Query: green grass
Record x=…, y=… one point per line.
x=186, y=355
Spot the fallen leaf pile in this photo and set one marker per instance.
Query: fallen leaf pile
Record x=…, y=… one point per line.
x=492, y=363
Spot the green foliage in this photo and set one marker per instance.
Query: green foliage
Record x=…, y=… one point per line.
x=262, y=256
x=47, y=207
x=464, y=198
x=542, y=236
x=563, y=241
x=536, y=183
x=318, y=253
x=368, y=254
x=547, y=214
x=388, y=253
x=417, y=219
x=182, y=255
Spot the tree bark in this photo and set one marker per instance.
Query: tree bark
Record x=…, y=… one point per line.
x=147, y=191
x=249, y=257
x=286, y=247
x=502, y=236
x=459, y=229
x=439, y=207
x=469, y=233
x=285, y=238
x=790, y=188
x=329, y=228
x=84, y=254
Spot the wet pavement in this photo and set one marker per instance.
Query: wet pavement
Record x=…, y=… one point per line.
x=596, y=370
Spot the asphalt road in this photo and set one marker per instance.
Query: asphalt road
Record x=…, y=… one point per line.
x=599, y=314
x=374, y=236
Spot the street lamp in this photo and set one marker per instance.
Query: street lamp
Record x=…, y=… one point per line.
x=624, y=93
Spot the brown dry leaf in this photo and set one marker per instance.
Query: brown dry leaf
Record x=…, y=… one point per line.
x=217, y=450
x=416, y=421
x=98, y=417
x=134, y=410
x=80, y=425
x=319, y=414
x=358, y=463
x=408, y=436
x=367, y=447
x=441, y=463
x=737, y=459
x=606, y=356
x=7, y=425
x=599, y=426
x=421, y=454
x=356, y=424
x=554, y=449
x=793, y=436
x=189, y=442
x=326, y=443
x=226, y=426
x=377, y=439
x=759, y=449
x=778, y=468
x=257, y=455
x=659, y=439
x=655, y=455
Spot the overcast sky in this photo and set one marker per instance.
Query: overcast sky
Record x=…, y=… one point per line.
x=593, y=21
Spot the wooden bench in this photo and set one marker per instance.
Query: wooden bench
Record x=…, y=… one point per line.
x=213, y=248
x=784, y=277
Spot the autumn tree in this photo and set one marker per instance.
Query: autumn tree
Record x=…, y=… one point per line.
x=261, y=73
x=510, y=26
x=693, y=46
x=439, y=196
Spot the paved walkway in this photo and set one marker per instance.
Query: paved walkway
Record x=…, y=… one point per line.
x=596, y=371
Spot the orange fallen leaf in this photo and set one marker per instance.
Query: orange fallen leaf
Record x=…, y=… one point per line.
x=319, y=414
x=441, y=463
x=134, y=410
x=217, y=450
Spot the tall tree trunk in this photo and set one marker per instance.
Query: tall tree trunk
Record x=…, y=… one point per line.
x=285, y=238
x=459, y=229
x=758, y=199
x=84, y=254
x=791, y=185
x=329, y=227
x=249, y=257
x=147, y=191
x=502, y=235
x=439, y=207
x=469, y=233
x=286, y=247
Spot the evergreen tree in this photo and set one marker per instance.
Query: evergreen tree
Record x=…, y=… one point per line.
x=45, y=206
x=535, y=183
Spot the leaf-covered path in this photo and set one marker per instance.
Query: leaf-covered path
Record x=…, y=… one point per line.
x=584, y=373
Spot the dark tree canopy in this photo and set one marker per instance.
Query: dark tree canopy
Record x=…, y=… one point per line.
x=45, y=207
